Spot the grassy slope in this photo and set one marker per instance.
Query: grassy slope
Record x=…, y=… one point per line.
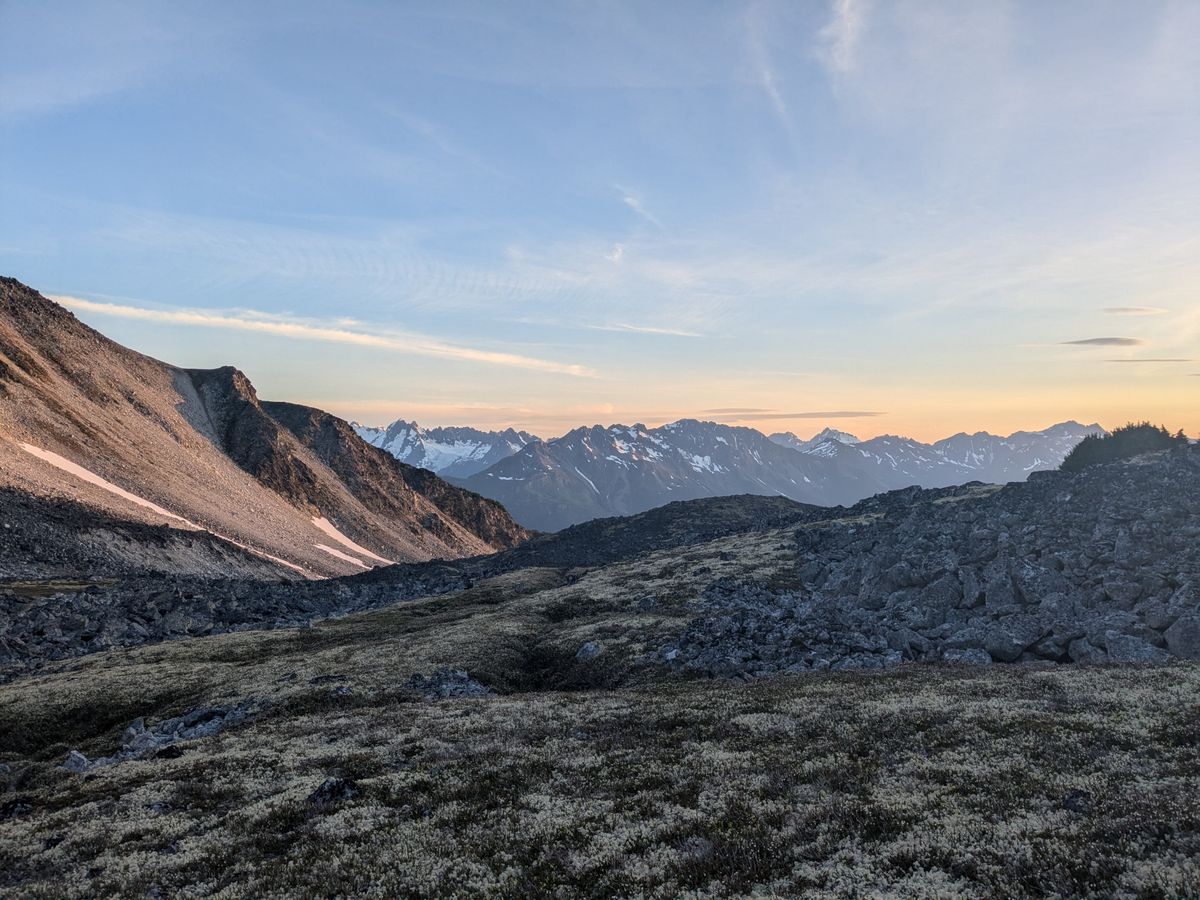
x=913, y=782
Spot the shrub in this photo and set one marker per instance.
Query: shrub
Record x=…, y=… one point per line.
x=1124, y=442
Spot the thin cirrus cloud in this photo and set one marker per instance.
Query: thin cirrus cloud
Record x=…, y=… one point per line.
x=1133, y=310
x=644, y=329
x=265, y=323
x=1154, y=359
x=635, y=203
x=840, y=36
x=1105, y=342
x=727, y=410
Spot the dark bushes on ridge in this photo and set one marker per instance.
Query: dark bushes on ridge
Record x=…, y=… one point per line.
x=1128, y=440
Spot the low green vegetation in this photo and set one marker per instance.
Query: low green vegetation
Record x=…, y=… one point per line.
x=1124, y=442
x=919, y=782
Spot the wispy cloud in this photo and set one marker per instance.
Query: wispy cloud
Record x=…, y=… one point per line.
x=1133, y=310
x=644, y=329
x=761, y=58
x=635, y=203
x=311, y=330
x=1105, y=342
x=735, y=409
x=840, y=36
x=1148, y=359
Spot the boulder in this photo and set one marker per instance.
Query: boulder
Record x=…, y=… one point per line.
x=1183, y=638
x=445, y=683
x=1081, y=650
x=588, y=651
x=1007, y=640
x=1126, y=648
x=1122, y=590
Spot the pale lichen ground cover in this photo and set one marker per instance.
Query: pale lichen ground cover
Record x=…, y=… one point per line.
x=920, y=782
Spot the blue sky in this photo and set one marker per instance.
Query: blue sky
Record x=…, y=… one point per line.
x=554, y=214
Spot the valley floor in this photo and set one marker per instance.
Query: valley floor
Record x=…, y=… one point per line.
x=920, y=781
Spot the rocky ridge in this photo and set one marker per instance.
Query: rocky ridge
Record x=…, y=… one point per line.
x=1095, y=567
x=1099, y=567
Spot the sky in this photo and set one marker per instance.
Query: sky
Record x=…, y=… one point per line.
x=911, y=218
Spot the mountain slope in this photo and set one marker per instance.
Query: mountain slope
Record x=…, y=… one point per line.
x=450, y=452
x=620, y=470
x=84, y=418
x=389, y=487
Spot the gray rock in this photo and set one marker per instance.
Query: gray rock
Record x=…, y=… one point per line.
x=1183, y=638
x=445, y=683
x=1122, y=591
x=76, y=762
x=1007, y=640
x=1126, y=648
x=333, y=791
x=1000, y=595
x=588, y=651
x=1081, y=650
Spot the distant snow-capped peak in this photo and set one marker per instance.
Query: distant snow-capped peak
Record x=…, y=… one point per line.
x=452, y=451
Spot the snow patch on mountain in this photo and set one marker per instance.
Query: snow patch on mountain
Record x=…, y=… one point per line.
x=92, y=478
x=87, y=475
x=330, y=529
x=344, y=557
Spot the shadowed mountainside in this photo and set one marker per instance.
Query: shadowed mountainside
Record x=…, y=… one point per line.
x=86, y=419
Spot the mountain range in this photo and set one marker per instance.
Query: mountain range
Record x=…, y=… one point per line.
x=622, y=470
x=450, y=452
x=228, y=483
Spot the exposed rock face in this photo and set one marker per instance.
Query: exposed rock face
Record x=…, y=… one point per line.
x=392, y=488
x=88, y=421
x=1103, y=566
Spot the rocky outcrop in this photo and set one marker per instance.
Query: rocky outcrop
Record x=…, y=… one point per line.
x=159, y=739
x=1099, y=567
x=445, y=683
x=389, y=487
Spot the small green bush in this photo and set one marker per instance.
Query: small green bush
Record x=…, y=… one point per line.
x=1124, y=442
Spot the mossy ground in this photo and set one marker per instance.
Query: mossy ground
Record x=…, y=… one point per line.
x=918, y=782
x=610, y=777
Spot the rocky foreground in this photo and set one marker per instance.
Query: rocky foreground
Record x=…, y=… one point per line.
x=1095, y=567
x=963, y=692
